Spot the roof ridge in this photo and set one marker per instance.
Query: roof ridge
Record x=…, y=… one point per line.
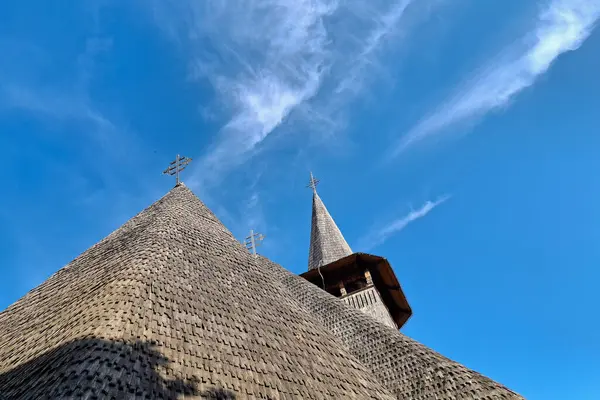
x=187, y=285
x=406, y=367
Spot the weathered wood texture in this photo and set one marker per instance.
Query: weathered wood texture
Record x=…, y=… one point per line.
x=327, y=244
x=171, y=305
x=369, y=302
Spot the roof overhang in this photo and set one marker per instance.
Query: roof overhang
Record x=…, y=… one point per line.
x=382, y=274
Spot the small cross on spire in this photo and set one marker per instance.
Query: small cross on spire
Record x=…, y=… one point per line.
x=313, y=183
x=175, y=167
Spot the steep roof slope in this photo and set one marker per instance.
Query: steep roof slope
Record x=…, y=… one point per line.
x=409, y=369
x=327, y=244
x=171, y=303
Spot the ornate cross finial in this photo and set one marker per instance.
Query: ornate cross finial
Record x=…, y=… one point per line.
x=251, y=241
x=175, y=167
x=313, y=183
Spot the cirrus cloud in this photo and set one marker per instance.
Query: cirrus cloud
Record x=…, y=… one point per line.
x=562, y=26
x=268, y=59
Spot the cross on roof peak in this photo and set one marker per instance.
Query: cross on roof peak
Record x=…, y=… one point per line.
x=175, y=167
x=313, y=183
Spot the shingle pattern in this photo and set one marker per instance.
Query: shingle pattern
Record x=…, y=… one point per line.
x=409, y=369
x=327, y=244
x=171, y=304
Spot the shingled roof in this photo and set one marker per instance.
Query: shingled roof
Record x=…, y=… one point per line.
x=327, y=244
x=171, y=304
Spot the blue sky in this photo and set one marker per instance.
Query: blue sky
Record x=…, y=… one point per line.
x=459, y=139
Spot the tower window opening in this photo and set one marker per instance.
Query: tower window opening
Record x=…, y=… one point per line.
x=356, y=285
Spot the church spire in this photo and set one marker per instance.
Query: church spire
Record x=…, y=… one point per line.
x=327, y=244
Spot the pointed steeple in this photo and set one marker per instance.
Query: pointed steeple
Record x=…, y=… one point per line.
x=155, y=310
x=327, y=244
x=171, y=305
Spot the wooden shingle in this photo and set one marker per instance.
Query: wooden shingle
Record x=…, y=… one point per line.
x=171, y=305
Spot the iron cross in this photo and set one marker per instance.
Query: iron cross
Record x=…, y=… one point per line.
x=313, y=183
x=175, y=167
x=253, y=241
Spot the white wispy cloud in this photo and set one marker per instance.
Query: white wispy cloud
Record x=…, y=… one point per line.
x=383, y=26
x=379, y=235
x=263, y=58
x=266, y=59
x=562, y=26
x=255, y=216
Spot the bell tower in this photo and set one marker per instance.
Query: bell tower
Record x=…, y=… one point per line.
x=363, y=281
